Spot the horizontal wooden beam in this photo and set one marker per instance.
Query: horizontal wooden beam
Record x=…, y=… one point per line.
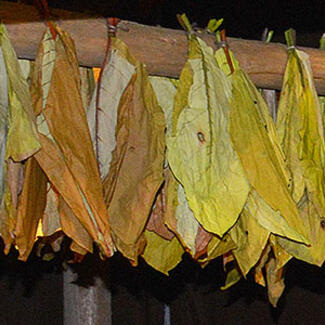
x=162, y=50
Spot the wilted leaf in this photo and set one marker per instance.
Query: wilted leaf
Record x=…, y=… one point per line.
x=178, y=217
x=102, y=121
x=67, y=155
x=31, y=207
x=255, y=141
x=136, y=167
x=300, y=129
x=163, y=255
x=199, y=149
x=18, y=135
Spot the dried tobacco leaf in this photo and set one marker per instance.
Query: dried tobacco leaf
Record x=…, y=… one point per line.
x=18, y=135
x=163, y=255
x=102, y=122
x=199, y=148
x=31, y=207
x=156, y=222
x=254, y=138
x=67, y=155
x=179, y=217
x=300, y=130
x=136, y=166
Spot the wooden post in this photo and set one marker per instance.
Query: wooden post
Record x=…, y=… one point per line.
x=86, y=305
x=271, y=100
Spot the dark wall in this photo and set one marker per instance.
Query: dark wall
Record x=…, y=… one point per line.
x=31, y=293
x=242, y=18
x=195, y=298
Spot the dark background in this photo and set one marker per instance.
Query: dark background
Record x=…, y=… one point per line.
x=32, y=293
x=242, y=18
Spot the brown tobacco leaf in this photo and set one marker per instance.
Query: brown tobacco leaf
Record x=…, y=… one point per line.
x=136, y=168
x=275, y=281
x=156, y=221
x=71, y=226
x=31, y=207
x=201, y=242
x=67, y=155
x=181, y=221
x=15, y=179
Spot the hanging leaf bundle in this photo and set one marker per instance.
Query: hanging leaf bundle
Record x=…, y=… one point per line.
x=206, y=107
x=270, y=202
x=178, y=217
x=18, y=136
x=300, y=130
x=155, y=167
x=127, y=128
x=199, y=149
x=62, y=187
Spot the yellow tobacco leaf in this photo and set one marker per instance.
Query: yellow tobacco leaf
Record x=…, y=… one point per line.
x=199, y=148
x=18, y=135
x=136, y=168
x=217, y=247
x=179, y=217
x=255, y=141
x=233, y=276
x=249, y=236
x=22, y=138
x=300, y=129
x=163, y=255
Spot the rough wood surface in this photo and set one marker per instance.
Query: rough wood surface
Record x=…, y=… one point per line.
x=86, y=305
x=162, y=50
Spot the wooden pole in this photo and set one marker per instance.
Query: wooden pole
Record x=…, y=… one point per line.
x=86, y=305
x=163, y=50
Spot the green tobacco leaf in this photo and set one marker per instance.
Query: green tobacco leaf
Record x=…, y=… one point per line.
x=214, y=24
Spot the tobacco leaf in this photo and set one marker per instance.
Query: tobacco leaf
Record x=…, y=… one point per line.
x=217, y=247
x=156, y=222
x=254, y=138
x=178, y=216
x=18, y=135
x=31, y=208
x=22, y=137
x=249, y=236
x=161, y=254
x=87, y=85
x=102, y=120
x=199, y=148
x=136, y=167
x=67, y=155
x=300, y=130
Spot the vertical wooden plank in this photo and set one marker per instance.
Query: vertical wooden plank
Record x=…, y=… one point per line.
x=271, y=100
x=86, y=305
